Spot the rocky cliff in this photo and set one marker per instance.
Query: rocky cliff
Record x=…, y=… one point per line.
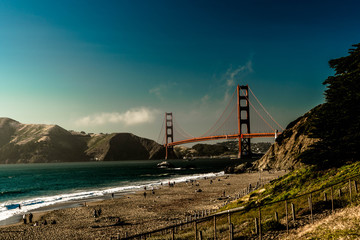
x=284, y=153
x=34, y=143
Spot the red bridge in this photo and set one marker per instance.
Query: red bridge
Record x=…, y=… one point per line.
x=234, y=123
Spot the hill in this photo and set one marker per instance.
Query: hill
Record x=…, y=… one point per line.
x=122, y=146
x=41, y=143
x=295, y=139
x=221, y=149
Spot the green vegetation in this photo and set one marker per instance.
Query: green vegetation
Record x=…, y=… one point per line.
x=337, y=123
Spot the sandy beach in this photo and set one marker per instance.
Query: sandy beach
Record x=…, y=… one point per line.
x=134, y=213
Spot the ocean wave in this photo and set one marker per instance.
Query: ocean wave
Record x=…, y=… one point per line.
x=11, y=208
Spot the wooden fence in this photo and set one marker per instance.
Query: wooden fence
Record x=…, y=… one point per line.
x=256, y=221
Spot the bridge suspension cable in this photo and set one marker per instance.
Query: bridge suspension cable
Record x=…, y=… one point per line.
x=233, y=123
x=182, y=132
x=258, y=113
x=161, y=134
x=266, y=110
x=214, y=128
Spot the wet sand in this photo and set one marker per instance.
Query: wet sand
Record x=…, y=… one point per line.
x=133, y=213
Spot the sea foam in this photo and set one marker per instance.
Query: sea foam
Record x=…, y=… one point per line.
x=9, y=209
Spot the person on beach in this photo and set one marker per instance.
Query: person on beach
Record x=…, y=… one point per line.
x=112, y=195
x=95, y=213
x=30, y=217
x=144, y=194
x=24, y=218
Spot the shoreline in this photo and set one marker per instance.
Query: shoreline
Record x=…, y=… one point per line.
x=134, y=213
x=107, y=192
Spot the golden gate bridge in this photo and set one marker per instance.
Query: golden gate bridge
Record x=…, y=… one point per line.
x=233, y=123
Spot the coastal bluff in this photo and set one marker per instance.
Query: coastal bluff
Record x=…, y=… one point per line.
x=42, y=143
x=294, y=140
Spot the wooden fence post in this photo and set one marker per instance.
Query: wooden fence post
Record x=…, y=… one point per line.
x=256, y=226
x=339, y=192
x=310, y=206
x=325, y=197
x=229, y=217
x=260, y=233
x=293, y=211
x=195, y=229
x=173, y=234
x=332, y=199
x=287, y=220
x=200, y=235
x=276, y=217
x=231, y=231
x=214, y=227
x=350, y=190
x=355, y=186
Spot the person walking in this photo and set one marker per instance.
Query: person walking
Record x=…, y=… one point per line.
x=30, y=217
x=24, y=218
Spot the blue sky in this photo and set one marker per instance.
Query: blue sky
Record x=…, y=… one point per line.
x=117, y=66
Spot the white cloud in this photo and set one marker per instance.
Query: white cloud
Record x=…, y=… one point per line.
x=157, y=92
x=232, y=75
x=162, y=89
x=133, y=116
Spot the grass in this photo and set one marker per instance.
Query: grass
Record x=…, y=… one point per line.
x=271, y=198
x=344, y=224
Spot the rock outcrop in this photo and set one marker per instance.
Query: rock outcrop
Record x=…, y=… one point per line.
x=295, y=139
x=35, y=143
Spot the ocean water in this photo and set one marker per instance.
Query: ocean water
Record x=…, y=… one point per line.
x=33, y=186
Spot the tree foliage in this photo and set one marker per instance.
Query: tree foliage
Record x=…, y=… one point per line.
x=337, y=123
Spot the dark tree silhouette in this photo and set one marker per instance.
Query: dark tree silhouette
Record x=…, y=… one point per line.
x=337, y=123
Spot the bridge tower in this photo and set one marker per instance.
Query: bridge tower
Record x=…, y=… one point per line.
x=243, y=112
x=169, y=132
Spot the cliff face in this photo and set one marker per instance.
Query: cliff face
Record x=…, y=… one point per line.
x=283, y=154
x=34, y=143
